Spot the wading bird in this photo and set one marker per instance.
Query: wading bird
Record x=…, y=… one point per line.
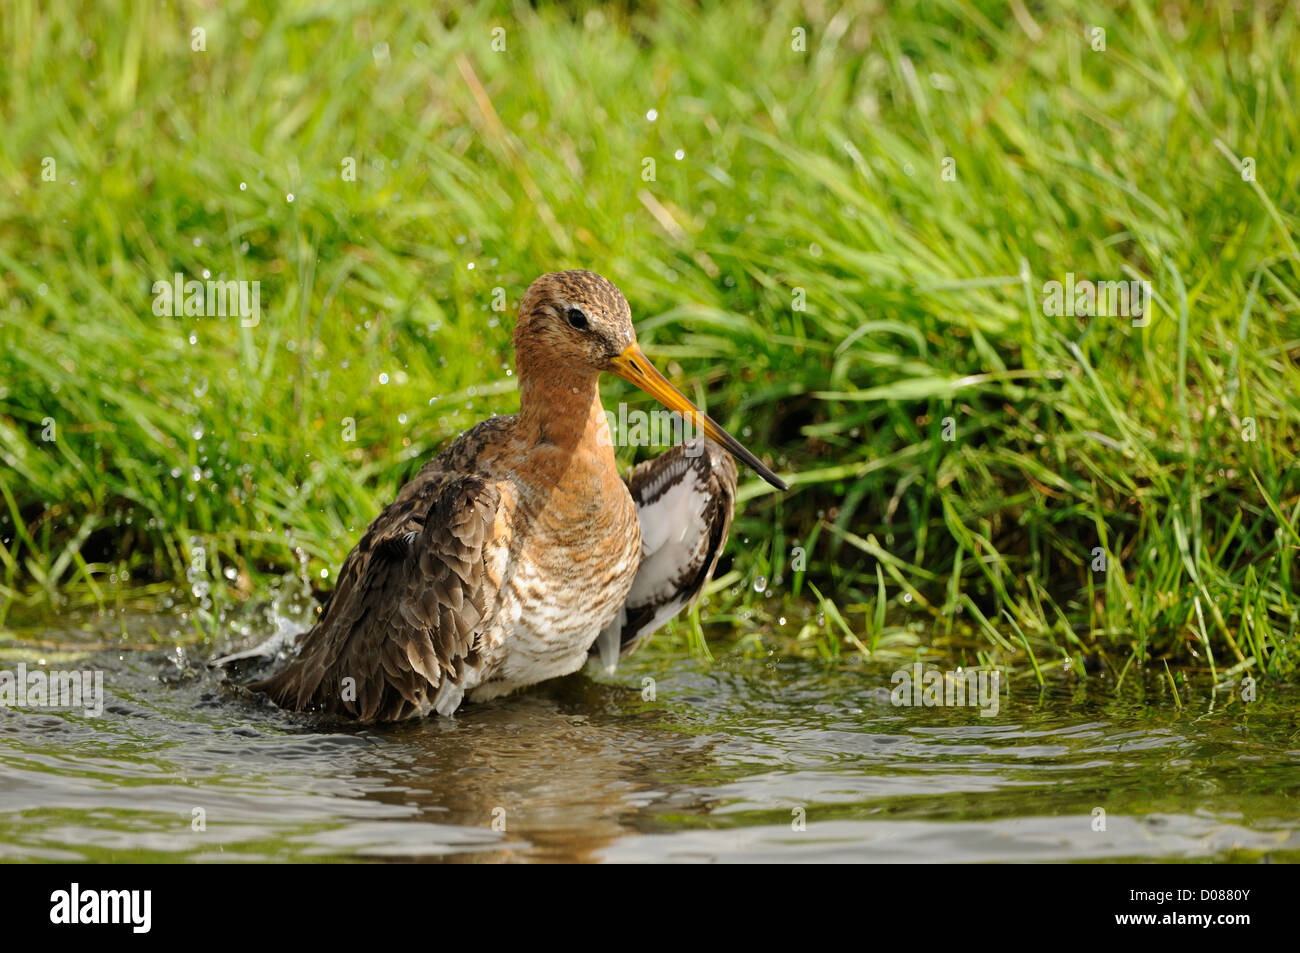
x=519, y=550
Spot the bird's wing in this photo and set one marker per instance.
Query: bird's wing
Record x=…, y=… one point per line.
x=413, y=598
x=684, y=500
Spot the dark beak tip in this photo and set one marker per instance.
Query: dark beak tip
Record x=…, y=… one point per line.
x=768, y=476
x=774, y=480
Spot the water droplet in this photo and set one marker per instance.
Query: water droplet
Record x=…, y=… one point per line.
x=289, y=198
x=243, y=186
x=652, y=115
x=197, y=432
x=679, y=155
x=383, y=378
x=760, y=583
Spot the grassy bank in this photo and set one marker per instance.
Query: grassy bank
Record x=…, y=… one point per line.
x=842, y=251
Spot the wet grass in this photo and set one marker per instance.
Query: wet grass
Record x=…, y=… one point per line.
x=970, y=474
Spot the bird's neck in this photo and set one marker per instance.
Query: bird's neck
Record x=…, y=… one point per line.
x=562, y=415
x=569, y=484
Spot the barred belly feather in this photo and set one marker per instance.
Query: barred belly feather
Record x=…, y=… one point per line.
x=559, y=596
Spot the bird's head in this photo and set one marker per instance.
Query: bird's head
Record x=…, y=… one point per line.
x=578, y=319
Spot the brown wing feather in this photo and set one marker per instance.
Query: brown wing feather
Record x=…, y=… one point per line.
x=411, y=600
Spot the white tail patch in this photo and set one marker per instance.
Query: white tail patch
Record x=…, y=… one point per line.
x=448, y=698
x=609, y=641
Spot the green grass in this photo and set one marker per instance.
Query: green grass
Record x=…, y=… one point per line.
x=812, y=176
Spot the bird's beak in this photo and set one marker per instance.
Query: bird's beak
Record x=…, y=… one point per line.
x=633, y=366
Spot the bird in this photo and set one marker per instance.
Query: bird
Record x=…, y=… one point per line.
x=520, y=551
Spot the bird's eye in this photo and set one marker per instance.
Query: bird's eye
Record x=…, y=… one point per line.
x=578, y=320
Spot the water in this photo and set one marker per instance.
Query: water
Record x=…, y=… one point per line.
x=722, y=766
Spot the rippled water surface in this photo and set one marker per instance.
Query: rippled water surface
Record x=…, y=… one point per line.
x=723, y=765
